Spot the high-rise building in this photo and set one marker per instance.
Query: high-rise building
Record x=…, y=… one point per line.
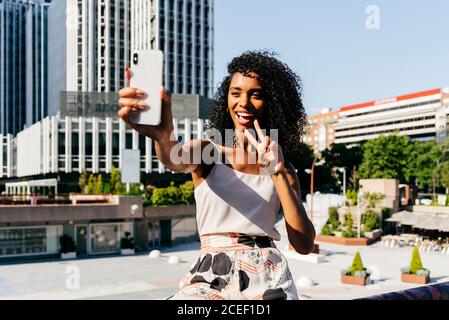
x=183, y=30
x=97, y=44
x=101, y=34
x=23, y=63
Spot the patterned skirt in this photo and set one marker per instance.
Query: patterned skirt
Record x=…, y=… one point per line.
x=235, y=266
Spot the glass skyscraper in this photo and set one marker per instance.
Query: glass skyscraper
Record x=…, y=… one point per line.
x=23, y=63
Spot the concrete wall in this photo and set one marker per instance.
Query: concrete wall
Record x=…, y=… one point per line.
x=387, y=187
x=121, y=209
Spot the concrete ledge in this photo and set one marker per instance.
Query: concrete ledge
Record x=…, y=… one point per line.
x=343, y=241
x=311, y=257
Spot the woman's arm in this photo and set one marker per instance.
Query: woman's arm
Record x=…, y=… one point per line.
x=174, y=155
x=300, y=230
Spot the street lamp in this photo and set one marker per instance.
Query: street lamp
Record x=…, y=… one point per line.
x=311, y=172
x=343, y=170
x=359, y=198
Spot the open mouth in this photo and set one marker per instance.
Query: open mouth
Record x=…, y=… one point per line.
x=244, y=118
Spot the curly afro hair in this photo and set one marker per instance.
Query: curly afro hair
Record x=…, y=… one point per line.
x=284, y=110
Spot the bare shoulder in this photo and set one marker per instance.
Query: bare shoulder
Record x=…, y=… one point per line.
x=203, y=148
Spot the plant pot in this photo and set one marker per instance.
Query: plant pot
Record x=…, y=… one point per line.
x=358, y=281
x=343, y=241
x=68, y=255
x=373, y=235
x=127, y=252
x=413, y=278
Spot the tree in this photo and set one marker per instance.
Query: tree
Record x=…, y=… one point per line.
x=426, y=154
x=340, y=156
x=303, y=160
x=387, y=157
x=99, y=185
x=441, y=171
x=82, y=181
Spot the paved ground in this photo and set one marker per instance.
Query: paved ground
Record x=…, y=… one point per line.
x=139, y=277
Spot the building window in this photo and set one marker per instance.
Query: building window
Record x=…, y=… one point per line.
x=105, y=238
x=28, y=241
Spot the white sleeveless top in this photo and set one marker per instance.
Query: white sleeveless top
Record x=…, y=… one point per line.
x=233, y=201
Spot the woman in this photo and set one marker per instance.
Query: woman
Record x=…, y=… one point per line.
x=239, y=194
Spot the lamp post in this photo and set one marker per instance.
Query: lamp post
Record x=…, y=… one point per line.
x=344, y=180
x=359, y=198
x=311, y=172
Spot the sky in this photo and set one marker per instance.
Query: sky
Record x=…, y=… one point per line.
x=328, y=44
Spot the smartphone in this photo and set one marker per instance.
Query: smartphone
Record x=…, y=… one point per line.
x=146, y=74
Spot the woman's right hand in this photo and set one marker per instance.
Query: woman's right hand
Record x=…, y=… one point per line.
x=131, y=100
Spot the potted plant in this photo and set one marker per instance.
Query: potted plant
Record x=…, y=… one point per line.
x=127, y=244
x=415, y=273
x=68, y=247
x=356, y=274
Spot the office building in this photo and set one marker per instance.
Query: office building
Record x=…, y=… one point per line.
x=321, y=131
x=92, y=138
x=184, y=31
x=421, y=116
x=23, y=64
x=99, y=36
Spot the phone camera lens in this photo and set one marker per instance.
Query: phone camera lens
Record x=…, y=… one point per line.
x=136, y=58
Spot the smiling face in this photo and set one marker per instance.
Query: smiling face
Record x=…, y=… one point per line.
x=245, y=100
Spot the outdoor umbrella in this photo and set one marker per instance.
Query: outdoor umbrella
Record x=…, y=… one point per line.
x=398, y=217
x=428, y=223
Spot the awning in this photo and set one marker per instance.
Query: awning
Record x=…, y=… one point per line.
x=422, y=220
x=401, y=216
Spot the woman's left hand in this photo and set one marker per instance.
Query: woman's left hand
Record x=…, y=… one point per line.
x=270, y=156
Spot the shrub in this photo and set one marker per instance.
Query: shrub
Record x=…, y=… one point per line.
x=386, y=213
x=370, y=221
x=67, y=244
x=333, y=213
x=172, y=195
x=127, y=242
x=373, y=198
x=187, y=191
x=92, y=181
x=326, y=230
x=415, y=263
x=165, y=196
x=351, y=196
x=423, y=273
x=98, y=188
x=345, y=272
x=357, y=265
x=82, y=182
x=348, y=220
x=349, y=233
x=134, y=190
x=405, y=270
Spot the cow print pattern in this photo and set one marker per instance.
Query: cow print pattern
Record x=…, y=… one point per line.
x=259, y=271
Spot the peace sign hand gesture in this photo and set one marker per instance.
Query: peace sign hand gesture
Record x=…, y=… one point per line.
x=269, y=153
